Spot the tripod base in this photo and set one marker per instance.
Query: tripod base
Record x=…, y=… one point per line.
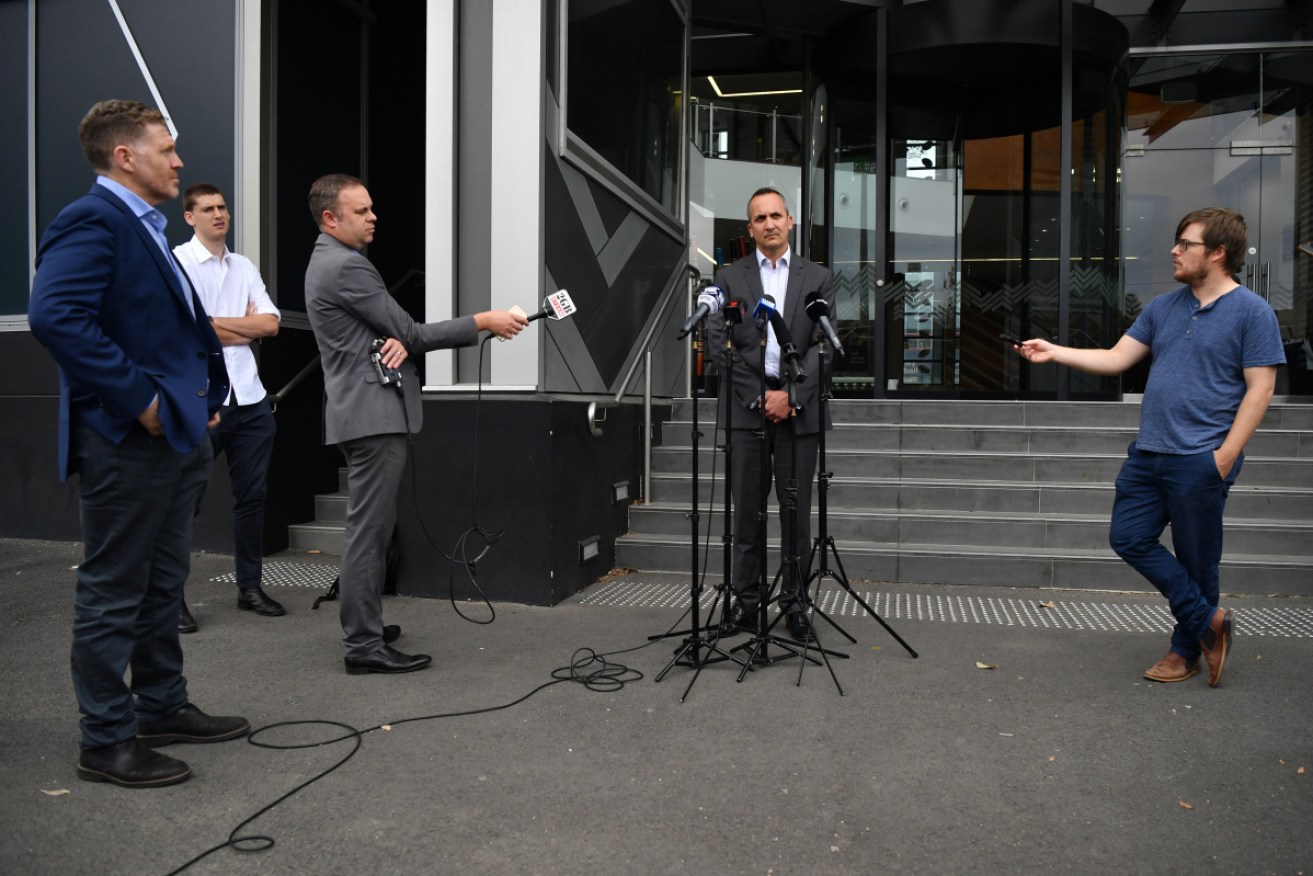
x=827, y=547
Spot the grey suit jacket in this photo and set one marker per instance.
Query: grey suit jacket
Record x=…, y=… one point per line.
x=349, y=306
x=742, y=280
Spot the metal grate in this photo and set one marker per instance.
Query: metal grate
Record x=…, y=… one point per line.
x=285, y=573
x=1290, y=622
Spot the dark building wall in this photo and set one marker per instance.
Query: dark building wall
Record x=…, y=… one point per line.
x=535, y=477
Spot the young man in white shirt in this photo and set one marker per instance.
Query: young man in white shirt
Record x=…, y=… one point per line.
x=240, y=311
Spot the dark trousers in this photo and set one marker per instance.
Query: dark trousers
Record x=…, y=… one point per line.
x=246, y=435
x=750, y=529
x=375, y=466
x=1154, y=489
x=137, y=504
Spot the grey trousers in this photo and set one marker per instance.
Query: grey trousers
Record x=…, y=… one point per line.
x=375, y=466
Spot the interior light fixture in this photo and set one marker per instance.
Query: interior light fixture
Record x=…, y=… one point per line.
x=719, y=93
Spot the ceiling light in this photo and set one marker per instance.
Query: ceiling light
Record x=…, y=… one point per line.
x=720, y=93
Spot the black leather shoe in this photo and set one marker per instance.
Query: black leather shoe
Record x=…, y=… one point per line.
x=186, y=623
x=131, y=765
x=190, y=724
x=391, y=633
x=740, y=619
x=799, y=627
x=256, y=600
x=386, y=660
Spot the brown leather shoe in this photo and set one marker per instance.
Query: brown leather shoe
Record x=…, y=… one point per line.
x=1172, y=668
x=1216, y=644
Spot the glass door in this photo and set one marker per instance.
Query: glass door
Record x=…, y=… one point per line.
x=1229, y=130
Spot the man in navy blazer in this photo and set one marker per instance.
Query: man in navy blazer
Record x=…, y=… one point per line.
x=141, y=378
x=791, y=433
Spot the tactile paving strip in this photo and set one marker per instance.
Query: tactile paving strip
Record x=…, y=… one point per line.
x=1039, y=612
x=287, y=573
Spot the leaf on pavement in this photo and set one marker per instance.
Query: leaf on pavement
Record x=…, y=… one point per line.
x=980, y=665
x=1184, y=805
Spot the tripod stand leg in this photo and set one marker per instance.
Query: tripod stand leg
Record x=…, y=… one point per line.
x=872, y=612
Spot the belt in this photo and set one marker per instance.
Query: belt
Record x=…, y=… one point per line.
x=773, y=382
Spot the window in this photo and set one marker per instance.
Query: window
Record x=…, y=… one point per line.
x=624, y=94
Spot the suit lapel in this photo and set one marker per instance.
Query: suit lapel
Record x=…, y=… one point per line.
x=793, y=304
x=152, y=246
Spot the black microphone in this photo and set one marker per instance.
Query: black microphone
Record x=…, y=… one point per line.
x=709, y=301
x=819, y=311
x=788, y=350
x=734, y=311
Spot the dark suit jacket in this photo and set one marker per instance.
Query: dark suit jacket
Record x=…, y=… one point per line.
x=349, y=306
x=742, y=280
x=111, y=310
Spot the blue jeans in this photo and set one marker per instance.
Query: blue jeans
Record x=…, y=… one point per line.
x=1154, y=489
x=136, y=508
x=246, y=434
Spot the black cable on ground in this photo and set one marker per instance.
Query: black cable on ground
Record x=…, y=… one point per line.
x=593, y=671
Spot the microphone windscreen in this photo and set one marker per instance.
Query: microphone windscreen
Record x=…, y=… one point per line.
x=711, y=297
x=816, y=306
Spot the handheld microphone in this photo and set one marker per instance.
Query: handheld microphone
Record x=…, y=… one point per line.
x=709, y=301
x=556, y=306
x=819, y=311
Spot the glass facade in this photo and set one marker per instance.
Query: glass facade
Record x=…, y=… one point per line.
x=1226, y=129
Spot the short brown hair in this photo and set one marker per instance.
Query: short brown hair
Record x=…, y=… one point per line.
x=324, y=193
x=196, y=192
x=113, y=123
x=1224, y=228
x=767, y=190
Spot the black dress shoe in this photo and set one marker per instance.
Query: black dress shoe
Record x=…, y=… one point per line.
x=186, y=623
x=190, y=724
x=740, y=619
x=256, y=600
x=131, y=765
x=799, y=627
x=386, y=660
x=391, y=633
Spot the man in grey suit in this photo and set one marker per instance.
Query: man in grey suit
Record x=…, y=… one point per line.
x=349, y=307
x=790, y=432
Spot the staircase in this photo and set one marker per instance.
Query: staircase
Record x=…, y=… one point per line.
x=999, y=493
x=327, y=531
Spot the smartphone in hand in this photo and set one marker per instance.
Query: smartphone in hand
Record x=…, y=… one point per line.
x=1016, y=342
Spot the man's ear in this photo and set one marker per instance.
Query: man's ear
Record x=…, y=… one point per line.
x=122, y=158
x=327, y=219
x=188, y=218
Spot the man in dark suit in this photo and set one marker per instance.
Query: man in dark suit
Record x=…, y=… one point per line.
x=349, y=308
x=791, y=433
x=141, y=378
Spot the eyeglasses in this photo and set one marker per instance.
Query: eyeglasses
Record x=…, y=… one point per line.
x=1184, y=245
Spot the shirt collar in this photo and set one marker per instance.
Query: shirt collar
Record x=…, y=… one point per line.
x=201, y=253
x=763, y=260
x=139, y=207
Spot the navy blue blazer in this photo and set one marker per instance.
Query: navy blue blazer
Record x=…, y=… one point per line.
x=110, y=308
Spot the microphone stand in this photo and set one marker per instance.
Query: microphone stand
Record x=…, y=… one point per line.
x=690, y=652
x=824, y=544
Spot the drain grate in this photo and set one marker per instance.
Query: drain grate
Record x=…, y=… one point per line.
x=1292, y=622
x=286, y=573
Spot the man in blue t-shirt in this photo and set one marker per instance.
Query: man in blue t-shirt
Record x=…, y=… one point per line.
x=1216, y=347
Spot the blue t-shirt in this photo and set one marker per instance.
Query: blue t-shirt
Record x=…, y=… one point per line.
x=1197, y=380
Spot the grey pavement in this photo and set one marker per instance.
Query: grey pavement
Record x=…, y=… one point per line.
x=1057, y=758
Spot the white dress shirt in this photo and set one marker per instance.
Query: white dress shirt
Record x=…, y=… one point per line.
x=227, y=285
x=775, y=283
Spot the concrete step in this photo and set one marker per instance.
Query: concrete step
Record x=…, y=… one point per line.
x=677, y=434
x=1293, y=414
x=909, y=494
x=991, y=566
x=325, y=537
x=331, y=507
x=1029, y=531
x=1016, y=467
